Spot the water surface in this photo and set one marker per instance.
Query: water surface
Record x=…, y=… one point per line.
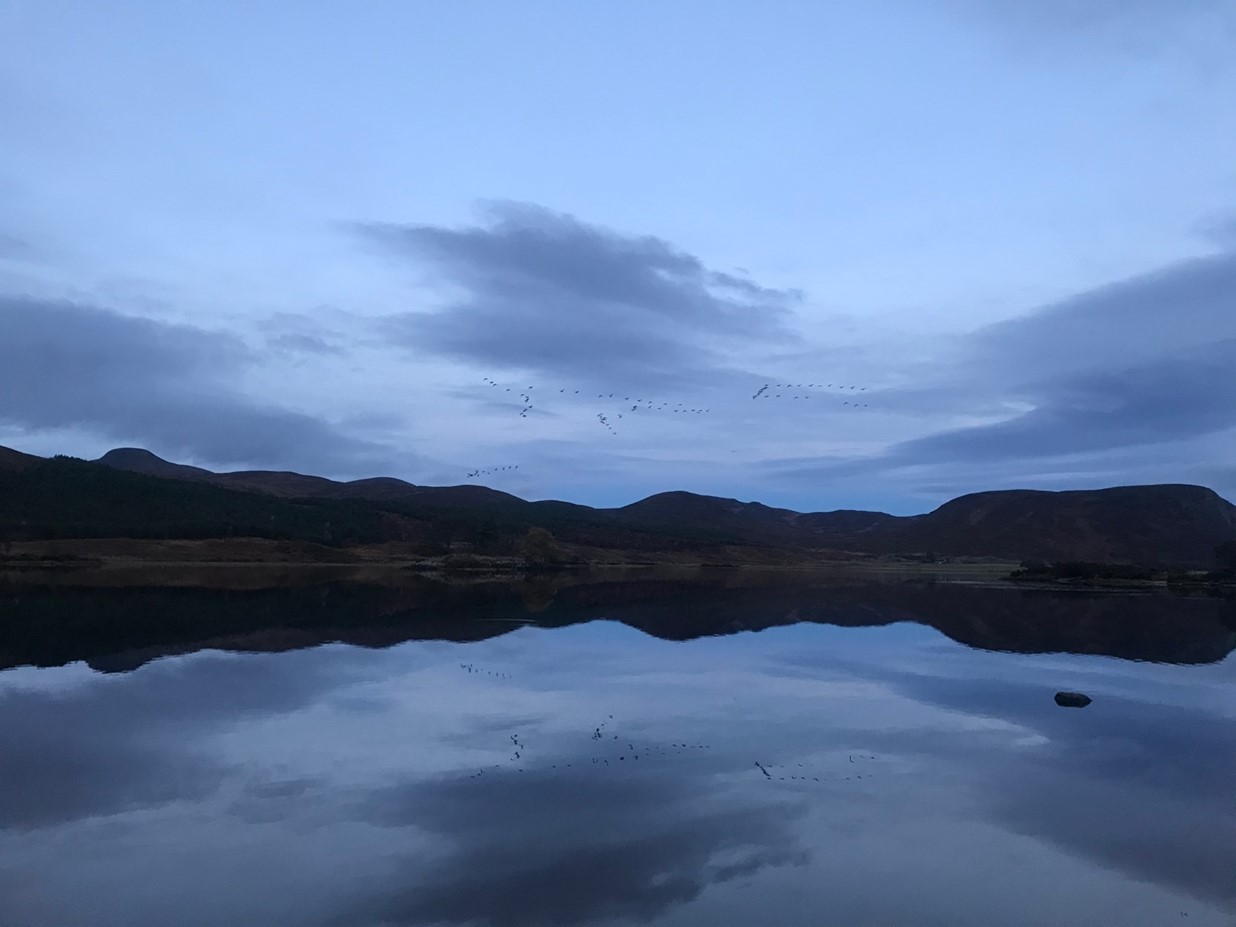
x=589, y=773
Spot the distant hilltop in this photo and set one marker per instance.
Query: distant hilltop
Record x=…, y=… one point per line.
x=132, y=493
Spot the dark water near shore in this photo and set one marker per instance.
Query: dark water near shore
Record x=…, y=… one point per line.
x=832, y=755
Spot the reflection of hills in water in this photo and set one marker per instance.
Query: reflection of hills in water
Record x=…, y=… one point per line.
x=120, y=628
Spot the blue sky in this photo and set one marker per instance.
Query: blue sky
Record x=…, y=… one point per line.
x=299, y=236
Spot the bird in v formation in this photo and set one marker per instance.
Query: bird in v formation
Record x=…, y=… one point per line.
x=640, y=404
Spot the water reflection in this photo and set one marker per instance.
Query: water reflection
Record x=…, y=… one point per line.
x=592, y=774
x=120, y=629
x=1171, y=764
x=104, y=746
x=546, y=848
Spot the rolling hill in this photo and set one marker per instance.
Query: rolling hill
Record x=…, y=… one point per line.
x=130, y=492
x=1168, y=524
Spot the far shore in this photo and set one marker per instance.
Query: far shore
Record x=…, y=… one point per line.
x=121, y=562
x=258, y=562
x=261, y=551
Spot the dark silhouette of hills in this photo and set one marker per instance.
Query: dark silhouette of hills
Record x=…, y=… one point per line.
x=13, y=461
x=140, y=460
x=118, y=629
x=68, y=498
x=1169, y=524
x=130, y=492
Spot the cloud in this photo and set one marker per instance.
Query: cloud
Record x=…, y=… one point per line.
x=301, y=333
x=520, y=857
x=303, y=344
x=1152, y=404
x=168, y=386
x=1141, y=363
x=1133, y=26
x=103, y=748
x=1142, y=789
x=1219, y=230
x=538, y=290
x=13, y=247
x=1178, y=308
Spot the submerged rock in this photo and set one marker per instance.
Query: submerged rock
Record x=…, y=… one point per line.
x=1072, y=700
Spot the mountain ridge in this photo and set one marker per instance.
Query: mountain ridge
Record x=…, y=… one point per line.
x=1162, y=524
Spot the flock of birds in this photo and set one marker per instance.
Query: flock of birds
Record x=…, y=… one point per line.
x=489, y=471
x=471, y=668
x=525, y=396
x=804, y=770
x=611, y=419
x=608, y=750
x=638, y=403
x=764, y=392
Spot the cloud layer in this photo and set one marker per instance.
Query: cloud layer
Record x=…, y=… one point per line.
x=168, y=386
x=542, y=291
x=1139, y=364
x=1127, y=382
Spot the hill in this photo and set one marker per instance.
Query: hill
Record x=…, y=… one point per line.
x=132, y=493
x=1170, y=525
x=11, y=461
x=68, y=498
x=140, y=460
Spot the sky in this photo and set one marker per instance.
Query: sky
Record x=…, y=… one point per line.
x=986, y=244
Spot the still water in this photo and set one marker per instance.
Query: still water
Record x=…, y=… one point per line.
x=588, y=773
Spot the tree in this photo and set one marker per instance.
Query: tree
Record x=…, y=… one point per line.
x=439, y=537
x=538, y=547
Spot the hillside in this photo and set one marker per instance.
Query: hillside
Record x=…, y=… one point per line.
x=67, y=498
x=12, y=461
x=1166, y=524
x=132, y=493
x=140, y=460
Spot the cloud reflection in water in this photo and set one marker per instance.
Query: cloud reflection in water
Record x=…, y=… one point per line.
x=910, y=779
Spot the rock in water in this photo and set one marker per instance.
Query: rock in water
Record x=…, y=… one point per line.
x=1072, y=700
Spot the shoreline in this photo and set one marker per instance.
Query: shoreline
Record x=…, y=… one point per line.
x=122, y=572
